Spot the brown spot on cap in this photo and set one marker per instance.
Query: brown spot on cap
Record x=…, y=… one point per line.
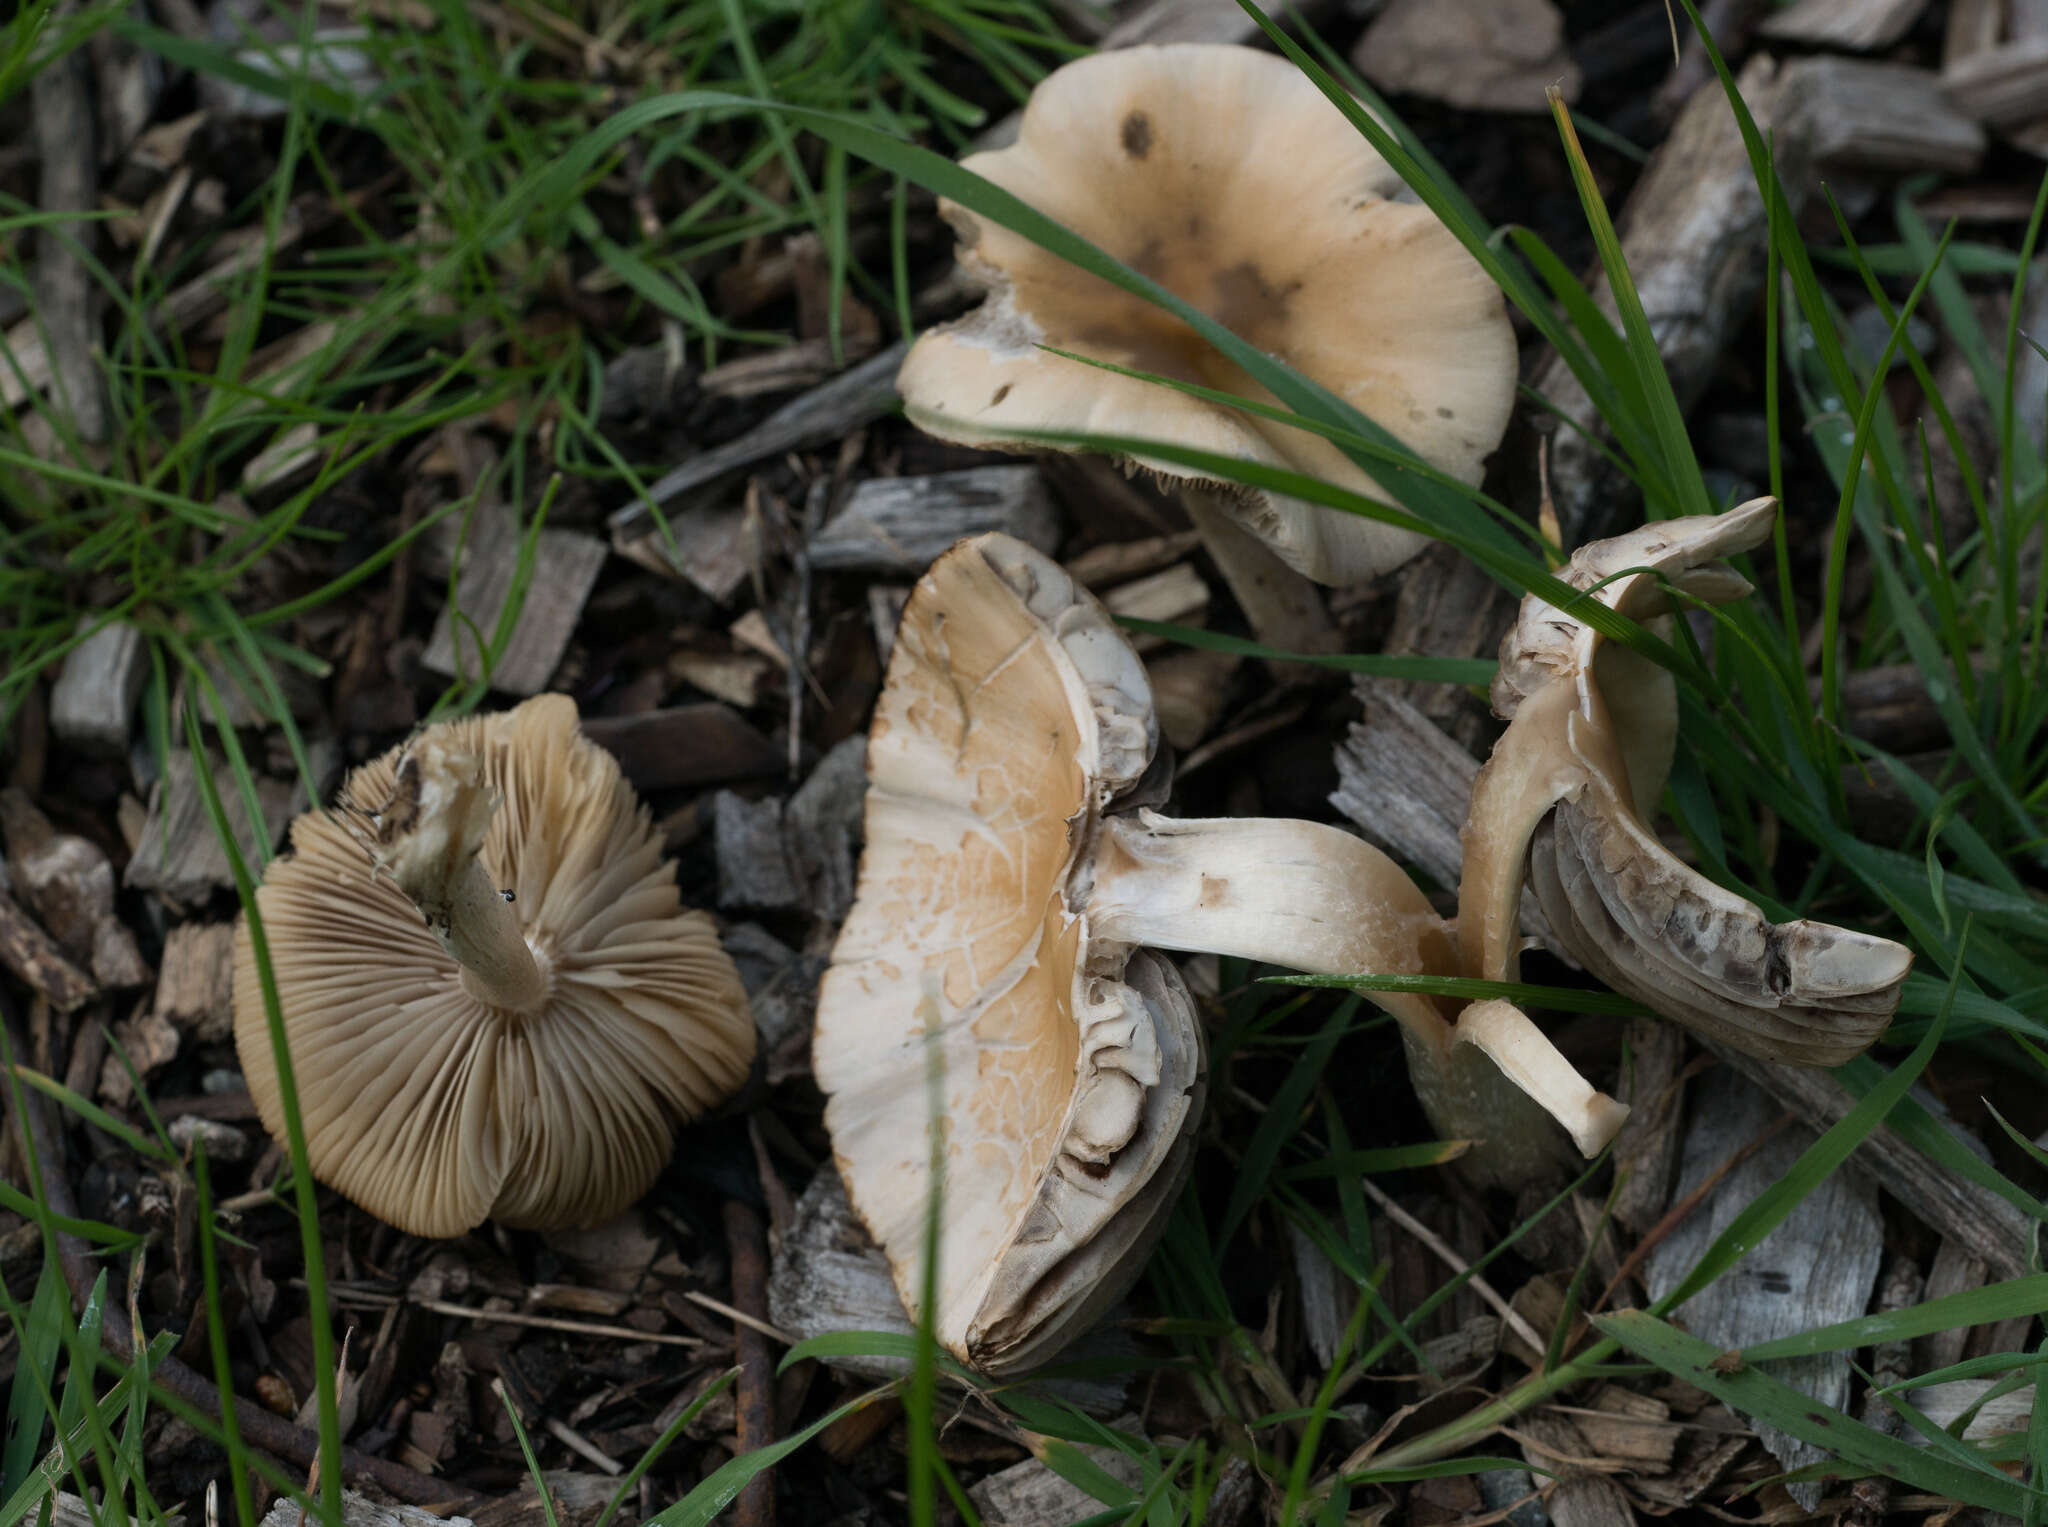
x=1247, y=303
x=1137, y=135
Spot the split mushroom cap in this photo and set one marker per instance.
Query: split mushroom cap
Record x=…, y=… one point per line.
x=1224, y=174
x=1069, y=1074
x=1566, y=800
x=1009, y=885
x=495, y=1004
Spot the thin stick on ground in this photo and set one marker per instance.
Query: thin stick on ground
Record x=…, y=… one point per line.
x=448, y=1307
x=1510, y=1317
x=747, y=1240
x=62, y=95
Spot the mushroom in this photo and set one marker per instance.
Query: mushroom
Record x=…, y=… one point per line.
x=1011, y=880
x=1224, y=174
x=1565, y=802
x=495, y=1004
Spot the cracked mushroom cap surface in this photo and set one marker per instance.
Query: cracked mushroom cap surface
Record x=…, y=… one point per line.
x=1224, y=174
x=1067, y=1068
x=1566, y=801
x=431, y=1107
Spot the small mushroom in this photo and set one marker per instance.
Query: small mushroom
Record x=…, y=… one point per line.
x=495, y=1004
x=1565, y=802
x=1010, y=882
x=1224, y=174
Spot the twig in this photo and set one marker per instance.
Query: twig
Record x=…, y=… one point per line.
x=577, y=1443
x=800, y=614
x=259, y=1427
x=555, y=1323
x=64, y=141
x=1510, y=1317
x=747, y=1242
x=372, y=1300
x=740, y=1317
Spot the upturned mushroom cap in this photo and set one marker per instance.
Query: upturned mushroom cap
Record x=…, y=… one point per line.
x=1069, y=1077
x=1566, y=798
x=425, y=1100
x=1010, y=882
x=1224, y=174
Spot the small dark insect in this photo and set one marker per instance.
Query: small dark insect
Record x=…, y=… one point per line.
x=508, y=896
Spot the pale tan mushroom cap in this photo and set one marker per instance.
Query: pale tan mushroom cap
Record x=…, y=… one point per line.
x=431, y=1109
x=1013, y=713
x=1224, y=174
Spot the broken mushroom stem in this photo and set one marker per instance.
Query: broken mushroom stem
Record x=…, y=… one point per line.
x=427, y=840
x=1312, y=897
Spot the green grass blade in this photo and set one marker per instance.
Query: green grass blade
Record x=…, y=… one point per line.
x=1679, y=471
x=295, y=1135
x=715, y=1493
x=1262, y=1153
x=1973, y=1307
x=1771, y=1207
x=1427, y=670
x=540, y=1484
x=1745, y=1389
x=630, y=1480
x=98, y=1117
x=35, y=1369
x=217, y=1342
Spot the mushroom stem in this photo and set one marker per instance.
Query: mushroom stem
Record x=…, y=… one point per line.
x=428, y=836
x=1284, y=606
x=1532, y=768
x=1313, y=897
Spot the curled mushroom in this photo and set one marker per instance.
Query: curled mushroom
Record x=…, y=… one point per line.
x=1566, y=799
x=1010, y=883
x=1224, y=174
x=495, y=1004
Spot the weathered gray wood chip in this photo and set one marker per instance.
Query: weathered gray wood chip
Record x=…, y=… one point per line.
x=565, y=567
x=94, y=696
x=1860, y=25
x=180, y=857
x=855, y=397
x=1029, y=1494
x=902, y=524
x=828, y=1275
x=1816, y=1268
x=1866, y=115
